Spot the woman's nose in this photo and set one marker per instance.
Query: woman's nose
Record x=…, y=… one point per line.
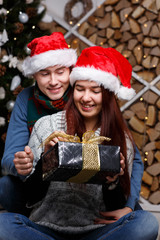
x=86, y=96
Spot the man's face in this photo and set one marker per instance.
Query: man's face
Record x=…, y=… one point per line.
x=53, y=81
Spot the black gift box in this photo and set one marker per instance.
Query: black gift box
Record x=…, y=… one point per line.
x=65, y=161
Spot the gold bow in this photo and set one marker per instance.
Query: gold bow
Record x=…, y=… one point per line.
x=88, y=137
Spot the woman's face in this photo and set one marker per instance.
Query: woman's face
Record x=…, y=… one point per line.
x=88, y=99
x=53, y=81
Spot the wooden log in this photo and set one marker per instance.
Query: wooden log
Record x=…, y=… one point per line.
x=90, y=31
x=145, y=192
x=109, y=32
x=149, y=147
x=102, y=33
x=115, y=21
x=150, y=5
x=105, y=22
x=151, y=115
x=100, y=11
x=124, y=13
x=110, y=2
x=117, y=34
x=147, y=75
x=139, y=139
x=127, y=114
x=150, y=157
x=126, y=36
x=150, y=97
x=138, y=12
x=155, y=32
x=155, y=51
x=137, y=125
x=146, y=27
x=147, y=62
x=153, y=134
x=139, y=109
x=157, y=144
x=132, y=43
x=122, y=4
x=150, y=42
x=155, y=197
x=93, y=38
x=154, y=169
x=155, y=184
x=147, y=178
x=157, y=155
x=135, y=28
x=83, y=28
x=125, y=27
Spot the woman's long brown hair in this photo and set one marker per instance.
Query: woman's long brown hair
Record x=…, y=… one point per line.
x=112, y=125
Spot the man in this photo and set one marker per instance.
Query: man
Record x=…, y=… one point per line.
x=50, y=64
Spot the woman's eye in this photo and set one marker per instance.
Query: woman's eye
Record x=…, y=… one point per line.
x=96, y=92
x=60, y=72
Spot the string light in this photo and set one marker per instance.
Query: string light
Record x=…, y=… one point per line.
x=70, y=22
x=33, y=27
x=145, y=25
x=141, y=99
x=69, y=45
x=146, y=118
x=15, y=38
x=78, y=24
x=126, y=15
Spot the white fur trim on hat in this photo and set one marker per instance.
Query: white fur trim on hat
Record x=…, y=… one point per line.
x=64, y=57
x=106, y=79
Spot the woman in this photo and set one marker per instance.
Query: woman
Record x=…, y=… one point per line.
x=78, y=211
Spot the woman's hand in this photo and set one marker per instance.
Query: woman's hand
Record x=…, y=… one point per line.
x=54, y=140
x=122, y=163
x=112, y=216
x=23, y=161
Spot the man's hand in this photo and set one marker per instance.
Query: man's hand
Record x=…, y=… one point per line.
x=112, y=216
x=23, y=161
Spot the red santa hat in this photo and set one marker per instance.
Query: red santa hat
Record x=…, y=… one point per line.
x=107, y=67
x=47, y=51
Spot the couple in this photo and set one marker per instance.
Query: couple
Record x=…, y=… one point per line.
x=68, y=210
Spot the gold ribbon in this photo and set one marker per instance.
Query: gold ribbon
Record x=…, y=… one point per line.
x=90, y=153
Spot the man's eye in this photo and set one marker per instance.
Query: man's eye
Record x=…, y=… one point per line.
x=79, y=89
x=44, y=73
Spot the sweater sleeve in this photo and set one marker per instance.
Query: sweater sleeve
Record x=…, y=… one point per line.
x=136, y=179
x=41, y=130
x=17, y=133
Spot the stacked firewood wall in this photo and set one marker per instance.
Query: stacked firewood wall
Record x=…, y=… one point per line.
x=133, y=28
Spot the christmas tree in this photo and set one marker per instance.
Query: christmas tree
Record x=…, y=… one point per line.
x=18, y=26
